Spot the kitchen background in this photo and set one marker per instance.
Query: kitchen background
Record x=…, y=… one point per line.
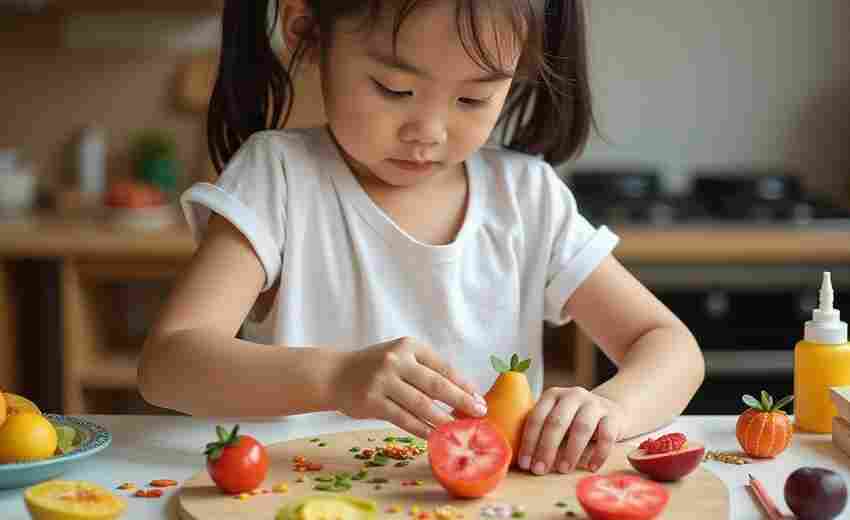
x=725, y=167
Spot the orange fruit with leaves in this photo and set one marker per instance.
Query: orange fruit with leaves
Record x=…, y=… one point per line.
x=509, y=400
x=764, y=430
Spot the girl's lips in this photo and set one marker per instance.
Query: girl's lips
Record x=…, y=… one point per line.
x=413, y=166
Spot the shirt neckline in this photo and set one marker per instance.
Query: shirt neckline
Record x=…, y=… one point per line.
x=353, y=193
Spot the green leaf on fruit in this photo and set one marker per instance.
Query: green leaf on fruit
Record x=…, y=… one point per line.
x=523, y=366
x=752, y=402
x=499, y=365
x=784, y=401
x=514, y=360
x=766, y=400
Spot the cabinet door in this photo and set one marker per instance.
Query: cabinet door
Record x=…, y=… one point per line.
x=107, y=6
x=8, y=341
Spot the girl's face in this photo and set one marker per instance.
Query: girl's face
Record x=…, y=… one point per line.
x=402, y=122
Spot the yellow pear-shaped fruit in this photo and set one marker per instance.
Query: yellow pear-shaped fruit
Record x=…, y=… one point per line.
x=509, y=401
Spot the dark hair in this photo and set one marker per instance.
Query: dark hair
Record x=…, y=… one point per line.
x=548, y=110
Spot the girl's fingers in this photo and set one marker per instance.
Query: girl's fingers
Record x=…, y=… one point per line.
x=440, y=383
x=555, y=427
x=606, y=435
x=533, y=426
x=417, y=403
x=584, y=460
x=581, y=430
x=405, y=420
x=429, y=358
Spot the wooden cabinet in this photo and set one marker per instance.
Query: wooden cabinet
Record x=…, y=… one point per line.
x=152, y=6
x=8, y=345
x=107, y=309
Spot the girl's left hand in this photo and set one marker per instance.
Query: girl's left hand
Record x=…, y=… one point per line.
x=569, y=426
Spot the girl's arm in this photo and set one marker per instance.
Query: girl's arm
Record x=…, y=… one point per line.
x=192, y=362
x=660, y=364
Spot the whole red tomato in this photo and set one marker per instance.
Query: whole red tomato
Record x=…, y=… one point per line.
x=236, y=463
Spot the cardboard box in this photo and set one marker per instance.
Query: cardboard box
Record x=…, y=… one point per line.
x=840, y=395
x=841, y=434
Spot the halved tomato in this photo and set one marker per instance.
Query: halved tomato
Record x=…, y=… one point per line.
x=469, y=457
x=621, y=497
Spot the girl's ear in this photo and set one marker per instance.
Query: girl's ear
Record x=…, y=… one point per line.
x=297, y=23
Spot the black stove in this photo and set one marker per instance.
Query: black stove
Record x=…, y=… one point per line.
x=635, y=196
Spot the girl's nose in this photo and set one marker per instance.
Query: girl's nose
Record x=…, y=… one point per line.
x=424, y=132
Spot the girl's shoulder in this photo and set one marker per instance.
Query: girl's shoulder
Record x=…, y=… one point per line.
x=282, y=139
x=519, y=172
x=290, y=149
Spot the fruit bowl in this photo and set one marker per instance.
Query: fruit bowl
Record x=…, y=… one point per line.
x=94, y=438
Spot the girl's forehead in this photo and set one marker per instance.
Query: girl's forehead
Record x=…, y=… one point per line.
x=434, y=25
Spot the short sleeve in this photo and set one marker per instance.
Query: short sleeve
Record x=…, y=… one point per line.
x=577, y=247
x=251, y=194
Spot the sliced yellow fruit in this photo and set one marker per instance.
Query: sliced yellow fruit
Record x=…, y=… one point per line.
x=72, y=500
x=329, y=507
x=27, y=437
x=19, y=404
x=66, y=437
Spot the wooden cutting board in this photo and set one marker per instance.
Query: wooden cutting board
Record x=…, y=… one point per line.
x=699, y=496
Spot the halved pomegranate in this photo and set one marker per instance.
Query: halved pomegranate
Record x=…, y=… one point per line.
x=668, y=466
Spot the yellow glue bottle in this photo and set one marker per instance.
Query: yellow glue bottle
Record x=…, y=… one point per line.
x=821, y=360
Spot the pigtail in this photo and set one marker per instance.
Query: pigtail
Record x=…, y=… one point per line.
x=553, y=114
x=252, y=85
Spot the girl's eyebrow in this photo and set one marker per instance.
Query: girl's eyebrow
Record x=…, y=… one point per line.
x=399, y=63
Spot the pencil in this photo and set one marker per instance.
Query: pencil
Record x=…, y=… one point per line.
x=764, y=499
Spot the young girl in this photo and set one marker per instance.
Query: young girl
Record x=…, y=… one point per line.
x=378, y=261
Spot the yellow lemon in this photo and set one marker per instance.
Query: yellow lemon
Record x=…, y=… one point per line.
x=72, y=500
x=19, y=404
x=343, y=507
x=26, y=437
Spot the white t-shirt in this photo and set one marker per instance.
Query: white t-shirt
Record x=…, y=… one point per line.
x=350, y=277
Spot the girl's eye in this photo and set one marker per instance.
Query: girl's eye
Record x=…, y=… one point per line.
x=389, y=92
x=472, y=102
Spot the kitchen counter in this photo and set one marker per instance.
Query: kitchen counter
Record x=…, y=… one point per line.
x=147, y=447
x=48, y=235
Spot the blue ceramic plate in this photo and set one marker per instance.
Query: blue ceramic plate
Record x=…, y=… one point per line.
x=94, y=439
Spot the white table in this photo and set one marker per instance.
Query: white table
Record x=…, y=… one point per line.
x=147, y=447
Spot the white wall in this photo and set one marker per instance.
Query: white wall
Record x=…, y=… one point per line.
x=688, y=83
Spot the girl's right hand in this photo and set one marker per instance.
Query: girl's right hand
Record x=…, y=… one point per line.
x=398, y=381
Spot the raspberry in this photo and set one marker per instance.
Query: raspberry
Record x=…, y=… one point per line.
x=664, y=444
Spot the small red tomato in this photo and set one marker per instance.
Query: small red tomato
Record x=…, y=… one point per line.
x=236, y=463
x=469, y=457
x=621, y=497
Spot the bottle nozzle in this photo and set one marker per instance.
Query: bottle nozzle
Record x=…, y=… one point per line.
x=825, y=296
x=826, y=325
